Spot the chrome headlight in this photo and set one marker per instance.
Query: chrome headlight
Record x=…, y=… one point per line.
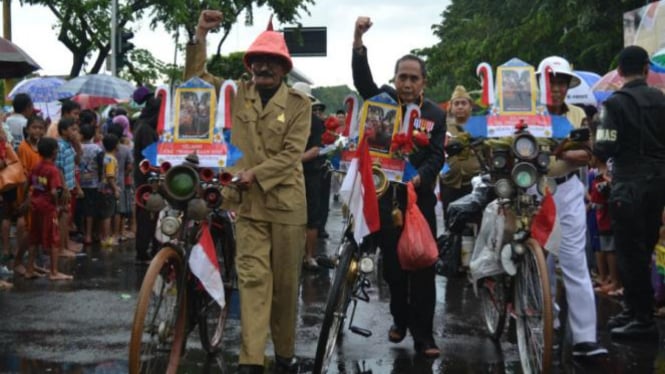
x=499, y=160
x=525, y=146
x=366, y=264
x=546, y=182
x=543, y=160
x=524, y=174
x=170, y=225
x=503, y=188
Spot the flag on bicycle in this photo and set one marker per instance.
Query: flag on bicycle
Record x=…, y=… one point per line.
x=359, y=194
x=545, y=226
x=204, y=265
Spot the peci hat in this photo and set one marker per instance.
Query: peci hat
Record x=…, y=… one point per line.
x=460, y=93
x=271, y=43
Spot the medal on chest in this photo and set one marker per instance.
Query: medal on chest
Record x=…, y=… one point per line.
x=422, y=131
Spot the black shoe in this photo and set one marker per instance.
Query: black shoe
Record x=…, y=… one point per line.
x=285, y=365
x=588, y=349
x=620, y=319
x=636, y=328
x=323, y=234
x=250, y=369
x=427, y=349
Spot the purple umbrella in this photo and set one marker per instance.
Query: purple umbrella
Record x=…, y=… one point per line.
x=14, y=62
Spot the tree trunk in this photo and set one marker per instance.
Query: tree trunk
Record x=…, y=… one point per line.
x=78, y=59
x=101, y=57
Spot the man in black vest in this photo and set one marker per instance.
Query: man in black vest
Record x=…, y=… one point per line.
x=632, y=132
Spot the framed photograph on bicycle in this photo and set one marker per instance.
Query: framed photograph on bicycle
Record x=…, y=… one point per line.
x=194, y=114
x=378, y=125
x=517, y=90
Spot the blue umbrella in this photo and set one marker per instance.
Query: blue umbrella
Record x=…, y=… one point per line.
x=41, y=89
x=99, y=85
x=583, y=94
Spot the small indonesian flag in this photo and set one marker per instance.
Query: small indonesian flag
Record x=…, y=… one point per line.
x=545, y=227
x=204, y=265
x=359, y=194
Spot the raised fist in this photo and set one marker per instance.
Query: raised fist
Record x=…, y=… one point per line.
x=362, y=25
x=210, y=19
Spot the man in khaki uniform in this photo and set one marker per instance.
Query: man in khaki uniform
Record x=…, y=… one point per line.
x=271, y=124
x=456, y=182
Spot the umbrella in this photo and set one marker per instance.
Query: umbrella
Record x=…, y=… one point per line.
x=583, y=94
x=99, y=85
x=658, y=61
x=612, y=81
x=93, y=102
x=41, y=89
x=14, y=62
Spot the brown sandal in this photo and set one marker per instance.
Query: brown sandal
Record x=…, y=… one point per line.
x=396, y=334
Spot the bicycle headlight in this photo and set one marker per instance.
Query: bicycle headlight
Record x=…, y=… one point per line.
x=543, y=160
x=366, y=264
x=525, y=146
x=499, y=160
x=546, y=182
x=170, y=225
x=181, y=182
x=503, y=188
x=524, y=174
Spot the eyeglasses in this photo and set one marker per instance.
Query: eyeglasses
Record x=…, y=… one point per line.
x=271, y=61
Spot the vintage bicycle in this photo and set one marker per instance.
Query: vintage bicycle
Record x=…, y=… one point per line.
x=508, y=265
x=353, y=265
x=172, y=302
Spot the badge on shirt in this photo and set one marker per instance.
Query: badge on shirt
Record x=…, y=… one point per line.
x=423, y=125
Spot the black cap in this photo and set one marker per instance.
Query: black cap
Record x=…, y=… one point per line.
x=633, y=56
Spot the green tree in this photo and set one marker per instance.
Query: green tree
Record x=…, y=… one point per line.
x=332, y=96
x=586, y=32
x=228, y=67
x=84, y=27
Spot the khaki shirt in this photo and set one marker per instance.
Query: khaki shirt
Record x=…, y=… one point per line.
x=463, y=166
x=272, y=140
x=559, y=168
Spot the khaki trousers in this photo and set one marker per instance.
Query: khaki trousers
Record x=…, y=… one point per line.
x=268, y=262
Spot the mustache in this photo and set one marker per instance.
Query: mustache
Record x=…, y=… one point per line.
x=263, y=73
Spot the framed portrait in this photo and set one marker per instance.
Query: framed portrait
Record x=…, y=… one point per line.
x=378, y=123
x=194, y=115
x=517, y=90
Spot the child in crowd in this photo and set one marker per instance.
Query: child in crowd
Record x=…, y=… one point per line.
x=125, y=168
x=606, y=258
x=90, y=176
x=10, y=206
x=46, y=187
x=29, y=155
x=108, y=189
x=66, y=163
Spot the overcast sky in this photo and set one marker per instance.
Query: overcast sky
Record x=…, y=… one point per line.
x=399, y=26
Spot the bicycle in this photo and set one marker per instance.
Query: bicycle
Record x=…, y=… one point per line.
x=171, y=302
x=515, y=284
x=353, y=265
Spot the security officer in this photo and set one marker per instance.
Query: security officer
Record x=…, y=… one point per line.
x=271, y=124
x=569, y=201
x=412, y=293
x=632, y=132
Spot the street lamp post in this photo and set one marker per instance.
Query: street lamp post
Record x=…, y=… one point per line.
x=114, y=39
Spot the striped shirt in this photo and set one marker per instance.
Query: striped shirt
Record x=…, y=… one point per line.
x=65, y=161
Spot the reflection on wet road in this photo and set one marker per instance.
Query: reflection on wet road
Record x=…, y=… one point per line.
x=83, y=327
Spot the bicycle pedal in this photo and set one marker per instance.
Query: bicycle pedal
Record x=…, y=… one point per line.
x=360, y=331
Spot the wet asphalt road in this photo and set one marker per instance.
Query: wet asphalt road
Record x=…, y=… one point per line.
x=83, y=327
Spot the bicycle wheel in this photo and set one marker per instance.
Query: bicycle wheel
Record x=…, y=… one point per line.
x=493, y=299
x=533, y=311
x=154, y=331
x=212, y=317
x=336, y=306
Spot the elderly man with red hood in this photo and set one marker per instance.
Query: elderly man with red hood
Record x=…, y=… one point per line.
x=271, y=124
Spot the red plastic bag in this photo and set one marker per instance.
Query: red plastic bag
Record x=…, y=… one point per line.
x=416, y=248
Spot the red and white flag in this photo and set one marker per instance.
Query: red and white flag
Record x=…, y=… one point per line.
x=359, y=194
x=204, y=265
x=545, y=227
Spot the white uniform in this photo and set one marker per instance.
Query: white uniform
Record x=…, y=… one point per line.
x=569, y=201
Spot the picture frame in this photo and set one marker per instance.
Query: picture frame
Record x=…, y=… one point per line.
x=379, y=122
x=194, y=118
x=517, y=90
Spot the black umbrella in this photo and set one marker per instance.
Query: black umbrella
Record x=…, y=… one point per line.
x=14, y=62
